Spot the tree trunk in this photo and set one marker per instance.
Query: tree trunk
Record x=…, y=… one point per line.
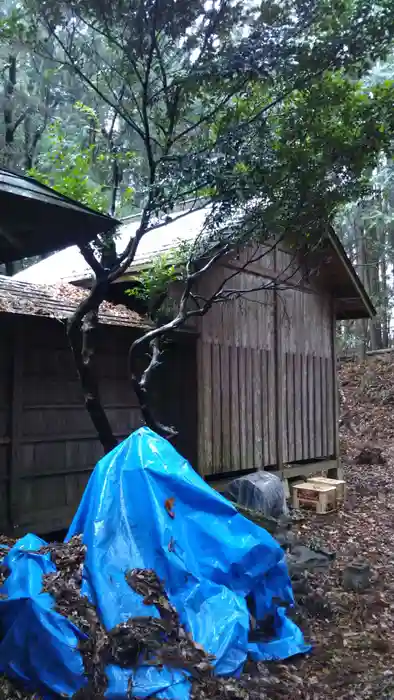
x=140, y=384
x=384, y=290
x=9, y=90
x=373, y=254
x=363, y=324
x=116, y=178
x=28, y=156
x=81, y=331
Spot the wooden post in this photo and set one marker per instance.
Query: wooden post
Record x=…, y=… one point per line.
x=278, y=354
x=16, y=420
x=335, y=398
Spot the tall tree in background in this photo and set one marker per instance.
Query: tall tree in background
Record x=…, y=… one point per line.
x=38, y=104
x=366, y=227
x=256, y=108
x=38, y=97
x=52, y=129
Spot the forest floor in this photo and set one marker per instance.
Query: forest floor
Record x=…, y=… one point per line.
x=352, y=634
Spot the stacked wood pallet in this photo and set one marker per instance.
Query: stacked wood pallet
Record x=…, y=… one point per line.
x=321, y=494
x=339, y=484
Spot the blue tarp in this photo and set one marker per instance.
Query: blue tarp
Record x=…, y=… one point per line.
x=209, y=557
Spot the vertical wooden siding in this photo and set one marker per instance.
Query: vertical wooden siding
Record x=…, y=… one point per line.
x=309, y=430
x=48, y=445
x=236, y=381
x=236, y=373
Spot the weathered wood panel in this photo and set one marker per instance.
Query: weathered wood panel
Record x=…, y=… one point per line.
x=311, y=408
x=269, y=402
x=205, y=408
x=244, y=418
x=5, y=418
x=224, y=368
x=235, y=440
x=48, y=446
x=236, y=407
x=72, y=421
x=4, y=485
x=331, y=416
x=256, y=390
x=239, y=431
x=325, y=405
x=216, y=403
x=306, y=319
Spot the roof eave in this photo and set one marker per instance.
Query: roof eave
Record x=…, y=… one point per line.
x=110, y=221
x=38, y=220
x=359, y=306
x=345, y=311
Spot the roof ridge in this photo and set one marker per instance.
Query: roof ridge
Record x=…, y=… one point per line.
x=177, y=208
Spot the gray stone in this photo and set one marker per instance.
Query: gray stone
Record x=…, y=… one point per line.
x=303, y=558
x=356, y=576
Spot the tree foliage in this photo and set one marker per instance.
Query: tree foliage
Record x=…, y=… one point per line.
x=66, y=167
x=69, y=168
x=258, y=109
x=366, y=226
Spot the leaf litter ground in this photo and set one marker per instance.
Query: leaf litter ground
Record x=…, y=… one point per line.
x=352, y=633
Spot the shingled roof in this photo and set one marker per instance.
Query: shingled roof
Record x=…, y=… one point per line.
x=58, y=302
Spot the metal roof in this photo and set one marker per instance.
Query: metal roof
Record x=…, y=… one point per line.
x=70, y=266
x=36, y=219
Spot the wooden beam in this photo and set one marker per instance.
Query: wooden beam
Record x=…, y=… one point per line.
x=334, y=370
x=309, y=469
x=44, y=438
x=265, y=273
x=289, y=471
x=43, y=474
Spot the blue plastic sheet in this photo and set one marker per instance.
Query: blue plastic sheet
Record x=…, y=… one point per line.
x=209, y=557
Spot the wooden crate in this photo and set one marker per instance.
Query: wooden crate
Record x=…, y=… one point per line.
x=339, y=484
x=320, y=497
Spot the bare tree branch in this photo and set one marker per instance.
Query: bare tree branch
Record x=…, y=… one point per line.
x=20, y=119
x=85, y=78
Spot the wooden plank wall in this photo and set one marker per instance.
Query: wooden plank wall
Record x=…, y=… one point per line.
x=5, y=423
x=237, y=379
x=51, y=444
x=307, y=393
